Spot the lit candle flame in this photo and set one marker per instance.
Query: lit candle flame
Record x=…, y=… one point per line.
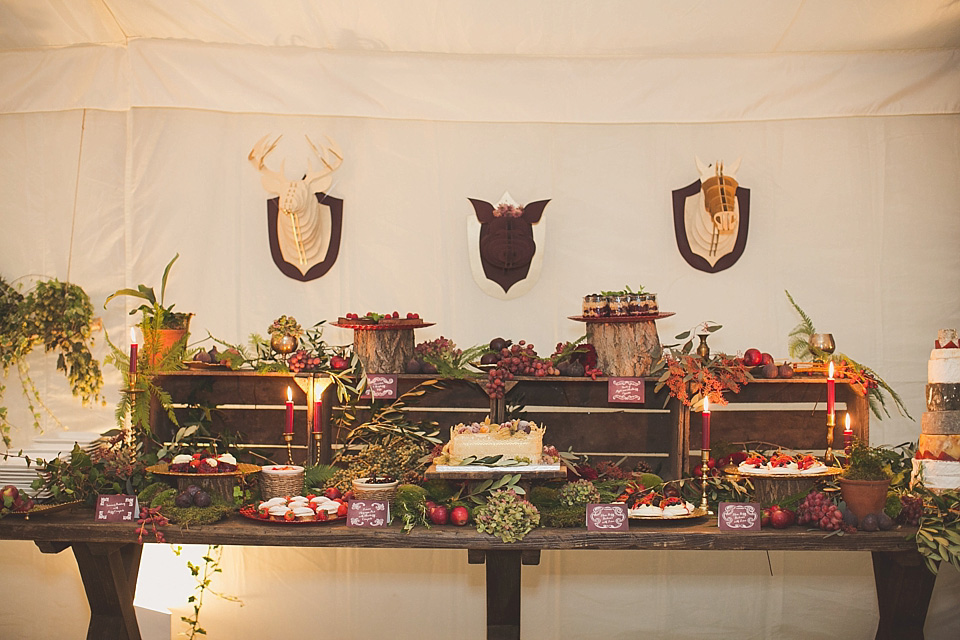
x=830, y=370
x=847, y=425
x=289, y=394
x=706, y=405
x=133, y=335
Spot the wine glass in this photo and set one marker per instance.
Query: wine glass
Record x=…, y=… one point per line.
x=824, y=342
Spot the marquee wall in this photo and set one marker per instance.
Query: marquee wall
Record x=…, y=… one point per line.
x=852, y=160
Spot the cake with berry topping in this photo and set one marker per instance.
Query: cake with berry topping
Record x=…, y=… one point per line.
x=937, y=461
x=781, y=464
x=644, y=505
x=675, y=507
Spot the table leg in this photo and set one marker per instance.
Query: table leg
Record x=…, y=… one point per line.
x=904, y=586
x=109, y=574
x=503, y=595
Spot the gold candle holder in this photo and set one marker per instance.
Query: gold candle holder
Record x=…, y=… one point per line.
x=316, y=443
x=132, y=383
x=288, y=437
x=704, y=468
x=831, y=423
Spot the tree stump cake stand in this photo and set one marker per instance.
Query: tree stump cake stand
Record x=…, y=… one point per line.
x=627, y=346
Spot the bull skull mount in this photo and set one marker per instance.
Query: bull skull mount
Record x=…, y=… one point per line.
x=505, y=244
x=304, y=223
x=711, y=217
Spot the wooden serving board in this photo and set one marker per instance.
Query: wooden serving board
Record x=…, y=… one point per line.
x=472, y=473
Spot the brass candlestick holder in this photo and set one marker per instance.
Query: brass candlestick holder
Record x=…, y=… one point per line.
x=704, y=468
x=316, y=443
x=288, y=437
x=831, y=423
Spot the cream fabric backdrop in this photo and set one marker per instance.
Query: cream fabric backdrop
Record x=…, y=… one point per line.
x=852, y=160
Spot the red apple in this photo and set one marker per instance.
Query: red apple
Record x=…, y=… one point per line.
x=439, y=514
x=333, y=493
x=9, y=495
x=752, y=357
x=459, y=516
x=780, y=519
x=339, y=363
x=765, y=518
x=766, y=358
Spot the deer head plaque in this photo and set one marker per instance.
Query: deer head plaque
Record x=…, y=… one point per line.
x=303, y=222
x=711, y=217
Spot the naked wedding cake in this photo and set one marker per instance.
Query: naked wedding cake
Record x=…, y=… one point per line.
x=937, y=461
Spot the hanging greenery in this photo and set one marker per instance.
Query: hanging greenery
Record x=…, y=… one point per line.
x=58, y=316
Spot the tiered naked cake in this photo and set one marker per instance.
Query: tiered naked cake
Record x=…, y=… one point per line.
x=937, y=461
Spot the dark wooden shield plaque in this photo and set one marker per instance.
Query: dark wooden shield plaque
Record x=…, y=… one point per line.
x=333, y=249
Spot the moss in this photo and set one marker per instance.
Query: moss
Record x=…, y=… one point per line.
x=564, y=516
x=439, y=490
x=149, y=492
x=650, y=480
x=893, y=507
x=187, y=516
x=543, y=496
x=167, y=496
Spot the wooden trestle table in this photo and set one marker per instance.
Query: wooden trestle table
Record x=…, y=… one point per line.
x=109, y=558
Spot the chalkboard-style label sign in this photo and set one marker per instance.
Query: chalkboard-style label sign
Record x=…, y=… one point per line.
x=607, y=517
x=739, y=516
x=626, y=390
x=368, y=514
x=381, y=386
x=118, y=508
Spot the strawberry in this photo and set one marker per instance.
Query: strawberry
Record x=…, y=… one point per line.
x=341, y=510
x=322, y=515
x=288, y=516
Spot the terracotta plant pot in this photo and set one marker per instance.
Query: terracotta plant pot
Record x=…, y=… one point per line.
x=864, y=497
x=158, y=343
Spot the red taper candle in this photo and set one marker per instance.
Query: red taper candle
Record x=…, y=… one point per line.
x=134, y=348
x=289, y=426
x=831, y=394
x=317, y=415
x=706, y=423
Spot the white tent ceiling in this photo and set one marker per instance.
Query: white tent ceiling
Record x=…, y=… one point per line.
x=497, y=27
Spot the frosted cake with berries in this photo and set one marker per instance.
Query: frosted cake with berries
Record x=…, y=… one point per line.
x=514, y=443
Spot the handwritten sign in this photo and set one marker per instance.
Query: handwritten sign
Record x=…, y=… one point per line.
x=739, y=516
x=368, y=514
x=607, y=517
x=381, y=386
x=626, y=390
x=118, y=508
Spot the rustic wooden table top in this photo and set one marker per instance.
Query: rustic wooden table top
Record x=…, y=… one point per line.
x=78, y=525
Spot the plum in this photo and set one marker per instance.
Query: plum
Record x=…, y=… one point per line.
x=412, y=366
x=870, y=522
x=183, y=500
x=202, y=499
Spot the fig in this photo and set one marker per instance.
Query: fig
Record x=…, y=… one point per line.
x=497, y=344
x=870, y=522
x=850, y=518
x=192, y=490
x=412, y=366
x=428, y=368
x=202, y=356
x=564, y=368
x=214, y=354
x=786, y=371
x=770, y=370
x=577, y=369
x=489, y=358
x=183, y=500
x=885, y=522
x=202, y=499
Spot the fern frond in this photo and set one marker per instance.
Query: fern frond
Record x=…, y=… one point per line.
x=806, y=324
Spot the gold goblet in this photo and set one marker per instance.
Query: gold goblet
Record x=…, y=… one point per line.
x=824, y=342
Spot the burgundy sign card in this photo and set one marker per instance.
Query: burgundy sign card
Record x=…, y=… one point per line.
x=628, y=390
x=117, y=508
x=607, y=517
x=381, y=386
x=739, y=516
x=368, y=514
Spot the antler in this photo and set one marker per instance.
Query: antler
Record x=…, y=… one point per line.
x=329, y=166
x=272, y=181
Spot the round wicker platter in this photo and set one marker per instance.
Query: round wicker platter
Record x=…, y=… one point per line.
x=242, y=470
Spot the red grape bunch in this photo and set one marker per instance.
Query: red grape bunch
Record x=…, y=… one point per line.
x=303, y=361
x=817, y=509
x=912, y=509
x=517, y=360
